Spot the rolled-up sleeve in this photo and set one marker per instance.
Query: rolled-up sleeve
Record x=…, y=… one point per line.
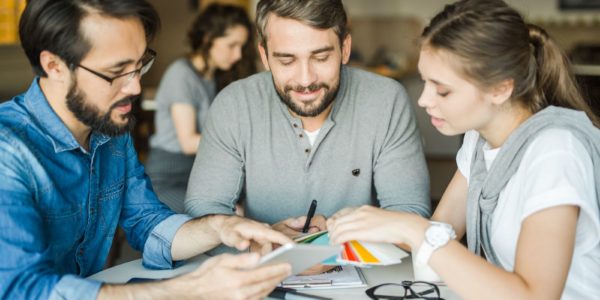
x=73, y=287
x=157, y=250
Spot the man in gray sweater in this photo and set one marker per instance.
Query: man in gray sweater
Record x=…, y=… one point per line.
x=311, y=128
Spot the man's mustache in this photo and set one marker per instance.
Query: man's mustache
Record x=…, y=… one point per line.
x=303, y=89
x=125, y=101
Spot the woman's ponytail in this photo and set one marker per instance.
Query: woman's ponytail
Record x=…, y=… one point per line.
x=555, y=83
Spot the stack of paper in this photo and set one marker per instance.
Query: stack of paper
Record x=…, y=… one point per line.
x=357, y=253
x=338, y=277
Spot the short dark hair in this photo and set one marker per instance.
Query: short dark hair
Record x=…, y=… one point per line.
x=55, y=26
x=322, y=14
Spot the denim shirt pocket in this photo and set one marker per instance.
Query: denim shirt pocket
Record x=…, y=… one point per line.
x=62, y=228
x=112, y=191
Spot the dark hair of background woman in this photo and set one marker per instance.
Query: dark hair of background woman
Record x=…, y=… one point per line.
x=213, y=23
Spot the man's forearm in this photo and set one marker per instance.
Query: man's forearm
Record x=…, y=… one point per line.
x=197, y=236
x=168, y=289
x=133, y=291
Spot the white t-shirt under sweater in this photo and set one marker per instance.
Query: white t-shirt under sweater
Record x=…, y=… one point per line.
x=555, y=170
x=312, y=136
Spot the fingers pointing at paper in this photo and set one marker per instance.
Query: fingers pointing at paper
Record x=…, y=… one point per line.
x=241, y=233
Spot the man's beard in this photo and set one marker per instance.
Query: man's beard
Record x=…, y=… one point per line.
x=90, y=115
x=316, y=108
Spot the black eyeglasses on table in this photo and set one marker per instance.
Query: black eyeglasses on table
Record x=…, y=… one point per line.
x=405, y=290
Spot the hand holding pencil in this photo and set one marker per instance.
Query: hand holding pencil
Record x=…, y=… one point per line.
x=311, y=222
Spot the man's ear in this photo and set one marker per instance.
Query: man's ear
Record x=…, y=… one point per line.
x=502, y=91
x=264, y=57
x=54, y=66
x=346, y=49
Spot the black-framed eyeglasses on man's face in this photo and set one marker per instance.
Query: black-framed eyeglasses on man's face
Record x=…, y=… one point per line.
x=123, y=79
x=405, y=290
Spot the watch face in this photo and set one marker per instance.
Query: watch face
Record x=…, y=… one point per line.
x=437, y=235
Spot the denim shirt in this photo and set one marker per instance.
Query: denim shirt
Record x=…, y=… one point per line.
x=60, y=204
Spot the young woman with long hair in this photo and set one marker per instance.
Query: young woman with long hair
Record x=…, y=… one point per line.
x=526, y=190
x=222, y=50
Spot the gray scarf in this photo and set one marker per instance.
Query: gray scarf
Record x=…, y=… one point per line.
x=485, y=187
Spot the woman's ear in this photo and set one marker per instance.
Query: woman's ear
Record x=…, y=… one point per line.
x=502, y=91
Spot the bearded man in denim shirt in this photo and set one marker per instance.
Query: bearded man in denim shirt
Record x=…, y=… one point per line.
x=70, y=174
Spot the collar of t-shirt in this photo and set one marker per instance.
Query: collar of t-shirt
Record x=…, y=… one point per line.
x=489, y=154
x=312, y=136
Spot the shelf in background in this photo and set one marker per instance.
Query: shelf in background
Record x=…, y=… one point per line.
x=587, y=70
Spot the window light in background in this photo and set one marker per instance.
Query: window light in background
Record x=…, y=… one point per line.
x=10, y=12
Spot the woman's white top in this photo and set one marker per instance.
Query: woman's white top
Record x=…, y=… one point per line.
x=555, y=170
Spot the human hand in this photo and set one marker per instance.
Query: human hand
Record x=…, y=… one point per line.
x=234, y=277
x=372, y=224
x=292, y=227
x=239, y=210
x=241, y=233
x=342, y=212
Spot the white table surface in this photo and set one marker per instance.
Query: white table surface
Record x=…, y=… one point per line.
x=374, y=276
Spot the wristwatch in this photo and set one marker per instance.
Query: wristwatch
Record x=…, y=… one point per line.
x=437, y=235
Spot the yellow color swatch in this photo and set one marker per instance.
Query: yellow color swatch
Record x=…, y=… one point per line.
x=364, y=254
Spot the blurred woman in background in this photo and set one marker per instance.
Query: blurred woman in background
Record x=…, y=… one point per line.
x=221, y=40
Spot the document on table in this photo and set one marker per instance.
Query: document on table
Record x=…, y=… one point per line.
x=338, y=277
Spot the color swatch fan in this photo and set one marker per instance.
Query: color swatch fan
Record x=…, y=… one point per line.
x=362, y=254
